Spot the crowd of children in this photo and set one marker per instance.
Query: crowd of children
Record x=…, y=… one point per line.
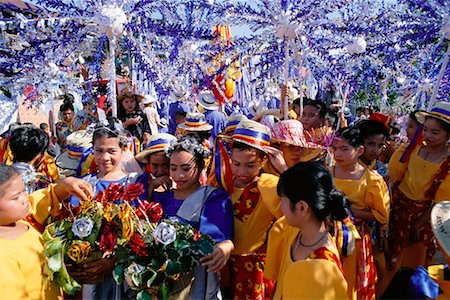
x=298, y=210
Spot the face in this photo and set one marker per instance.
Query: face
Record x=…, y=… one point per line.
x=159, y=164
x=107, y=154
x=14, y=204
x=184, y=170
x=291, y=153
x=68, y=115
x=433, y=134
x=129, y=104
x=311, y=118
x=344, y=153
x=246, y=164
x=411, y=128
x=374, y=145
x=287, y=210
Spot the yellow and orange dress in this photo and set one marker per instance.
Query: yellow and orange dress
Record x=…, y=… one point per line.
x=438, y=274
x=22, y=260
x=319, y=276
x=411, y=197
x=369, y=193
x=255, y=208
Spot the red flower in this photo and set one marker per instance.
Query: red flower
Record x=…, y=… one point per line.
x=114, y=192
x=133, y=191
x=197, y=235
x=99, y=196
x=152, y=209
x=137, y=245
x=108, y=237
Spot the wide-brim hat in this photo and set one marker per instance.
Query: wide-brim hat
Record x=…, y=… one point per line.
x=289, y=132
x=251, y=133
x=207, y=100
x=232, y=122
x=78, y=143
x=157, y=143
x=440, y=224
x=195, y=122
x=148, y=99
x=440, y=111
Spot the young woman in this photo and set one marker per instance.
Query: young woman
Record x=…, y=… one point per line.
x=22, y=256
x=206, y=208
x=109, y=143
x=419, y=182
x=369, y=198
x=301, y=255
x=133, y=119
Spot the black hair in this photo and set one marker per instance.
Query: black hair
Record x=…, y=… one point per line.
x=442, y=124
x=412, y=115
x=27, y=142
x=362, y=108
x=111, y=129
x=242, y=146
x=297, y=101
x=352, y=135
x=395, y=128
x=369, y=128
x=313, y=183
x=121, y=110
x=319, y=105
x=43, y=126
x=67, y=98
x=331, y=117
x=194, y=146
x=6, y=173
x=181, y=113
x=66, y=106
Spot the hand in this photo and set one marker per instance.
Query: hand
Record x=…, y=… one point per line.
x=383, y=244
x=219, y=257
x=163, y=181
x=276, y=158
x=92, y=271
x=84, y=71
x=74, y=186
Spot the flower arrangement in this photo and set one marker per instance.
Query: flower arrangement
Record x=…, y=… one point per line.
x=160, y=255
x=91, y=231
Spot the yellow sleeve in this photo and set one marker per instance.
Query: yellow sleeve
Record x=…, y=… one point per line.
x=396, y=168
x=44, y=203
x=267, y=185
x=314, y=279
x=275, y=249
x=11, y=279
x=443, y=192
x=377, y=198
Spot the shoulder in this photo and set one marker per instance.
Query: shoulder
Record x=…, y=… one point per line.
x=268, y=180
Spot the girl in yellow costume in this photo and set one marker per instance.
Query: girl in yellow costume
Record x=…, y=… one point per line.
x=369, y=198
x=255, y=205
x=301, y=254
x=420, y=182
x=21, y=247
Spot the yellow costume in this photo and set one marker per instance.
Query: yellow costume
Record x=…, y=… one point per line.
x=436, y=272
x=22, y=260
x=317, y=277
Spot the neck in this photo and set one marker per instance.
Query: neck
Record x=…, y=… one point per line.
x=312, y=232
x=239, y=184
x=111, y=175
x=367, y=162
x=184, y=193
x=437, y=149
x=350, y=167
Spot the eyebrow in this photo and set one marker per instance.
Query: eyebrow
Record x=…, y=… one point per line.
x=183, y=165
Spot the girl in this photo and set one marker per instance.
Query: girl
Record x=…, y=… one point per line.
x=22, y=257
x=369, y=198
x=206, y=208
x=301, y=255
x=109, y=144
x=419, y=182
x=133, y=119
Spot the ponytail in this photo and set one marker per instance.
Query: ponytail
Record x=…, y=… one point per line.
x=339, y=205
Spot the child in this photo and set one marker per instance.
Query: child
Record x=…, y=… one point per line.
x=22, y=257
x=301, y=255
x=206, y=208
x=314, y=113
x=369, y=198
x=256, y=205
x=133, y=119
x=374, y=135
x=151, y=113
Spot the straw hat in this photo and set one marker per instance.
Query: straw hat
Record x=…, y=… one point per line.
x=207, y=100
x=195, y=122
x=148, y=99
x=232, y=122
x=157, y=143
x=289, y=132
x=440, y=111
x=251, y=133
x=440, y=224
x=77, y=143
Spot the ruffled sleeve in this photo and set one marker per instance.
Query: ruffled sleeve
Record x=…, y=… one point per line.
x=44, y=203
x=267, y=186
x=314, y=279
x=396, y=168
x=217, y=217
x=377, y=197
x=275, y=249
x=443, y=192
x=11, y=279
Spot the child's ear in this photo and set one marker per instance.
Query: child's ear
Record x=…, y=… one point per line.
x=264, y=161
x=361, y=150
x=301, y=208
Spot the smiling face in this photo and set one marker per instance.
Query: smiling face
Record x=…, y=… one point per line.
x=107, y=154
x=434, y=134
x=14, y=204
x=246, y=164
x=184, y=170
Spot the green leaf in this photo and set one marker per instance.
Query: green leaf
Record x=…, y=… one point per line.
x=55, y=262
x=143, y=295
x=152, y=278
x=118, y=274
x=172, y=268
x=163, y=292
x=53, y=246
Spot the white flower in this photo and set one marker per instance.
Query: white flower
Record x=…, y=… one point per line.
x=165, y=233
x=358, y=46
x=131, y=272
x=111, y=19
x=82, y=227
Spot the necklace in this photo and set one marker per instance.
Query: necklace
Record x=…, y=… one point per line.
x=313, y=244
